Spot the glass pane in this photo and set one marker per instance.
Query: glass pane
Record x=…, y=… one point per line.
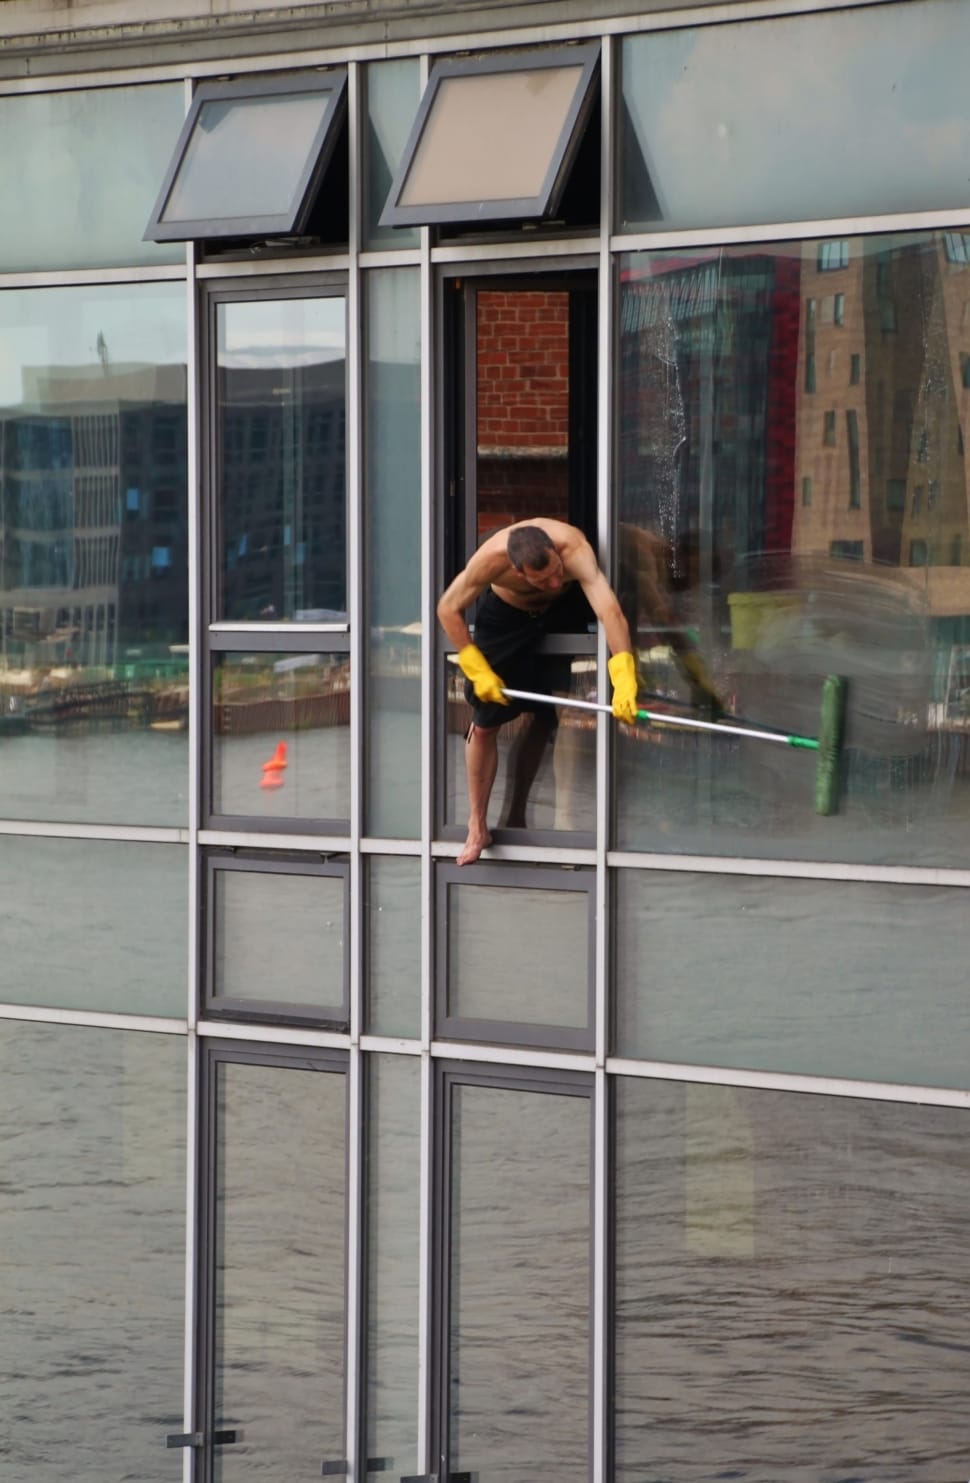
x=720, y=996
x=92, y=1282
x=790, y=1278
x=80, y=185
x=280, y=940
x=246, y=157
x=279, y=1271
x=93, y=555
x=126, y=903
x=519, y=1313
x=393, y=908
x=509, y=125
x=708, y=139
x=392, y=91
x=545, y=933
x=392, y=476
x=777, y=527
x=281, y=736
x=393, y=1266
x=281, y=445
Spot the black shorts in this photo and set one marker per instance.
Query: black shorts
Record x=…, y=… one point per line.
x=509, y=638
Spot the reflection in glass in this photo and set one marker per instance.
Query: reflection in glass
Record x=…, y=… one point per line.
x=93, y=1271
x=518, y=1323
x=281, y=736
x=393, y=926
x=699, y=978
x=279, y=1270
x=282, y=459
x=392, y=476
x=392, y=90
x=545, y=933
x=94, y=924
x=719, y=431
x=77, y=190
x=708, y=138
x=93, y=555
x=393, y=1222
x=790, y=1276
x=280, y=940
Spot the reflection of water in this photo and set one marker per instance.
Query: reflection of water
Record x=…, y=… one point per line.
x=127, y=776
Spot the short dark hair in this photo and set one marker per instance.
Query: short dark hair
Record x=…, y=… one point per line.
x=529, y=546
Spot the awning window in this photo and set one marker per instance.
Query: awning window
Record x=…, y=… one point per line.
x=251, y=158
x=495, y=138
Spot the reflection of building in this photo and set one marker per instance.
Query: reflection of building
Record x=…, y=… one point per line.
x=93, y=536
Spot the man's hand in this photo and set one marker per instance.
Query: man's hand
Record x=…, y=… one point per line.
x=703, y=694
x=485, y=682
x=623, y=673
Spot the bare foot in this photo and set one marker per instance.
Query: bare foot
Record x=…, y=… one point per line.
x=474, y=844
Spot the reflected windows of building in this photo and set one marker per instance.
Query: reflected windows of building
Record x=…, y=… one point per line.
x=832, y=256
x=955, y=247
x=806, y=492
x=828, y=429
x=855, y=370
x=919, y=553
x=896, y=495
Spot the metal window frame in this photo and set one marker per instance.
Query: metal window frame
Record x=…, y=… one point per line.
x=446, y=1076
x=546, y=201
x=216, y=1005
x=286, y=223
x=535, y=1034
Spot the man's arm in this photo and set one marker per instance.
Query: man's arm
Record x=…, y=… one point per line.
x=484, y=567
x=601, y=597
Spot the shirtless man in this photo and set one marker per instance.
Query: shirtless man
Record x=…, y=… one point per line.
x=528, y=574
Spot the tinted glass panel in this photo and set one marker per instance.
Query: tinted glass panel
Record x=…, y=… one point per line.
x=281, y=736
x=281, y=432
x=392, y=90
x=92, y=1281
x=94, y=924
x=93, y=555
x=710, y=138
x=519, y=1313
x=77, y=190
x=393, y=908
x=722, y=560
x=823, y=1234
x=279, y=1270
x=832, y=977
x=394, y=1147
x=393, y=546
x=280, y=940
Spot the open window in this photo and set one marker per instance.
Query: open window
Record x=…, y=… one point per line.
x=496, y=138
x=251, y=160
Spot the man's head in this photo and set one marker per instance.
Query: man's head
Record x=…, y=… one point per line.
x=533, y=554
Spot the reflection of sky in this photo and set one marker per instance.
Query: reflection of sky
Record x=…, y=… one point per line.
x=82, y=327
x=283, y=332
x=874, y=101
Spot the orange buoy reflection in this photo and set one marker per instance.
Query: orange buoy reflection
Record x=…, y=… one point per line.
x=274, y=769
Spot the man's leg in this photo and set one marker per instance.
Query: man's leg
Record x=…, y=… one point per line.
x=525, y=755
x=481, y=764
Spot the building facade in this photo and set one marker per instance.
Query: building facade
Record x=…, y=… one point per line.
x=634, y=1152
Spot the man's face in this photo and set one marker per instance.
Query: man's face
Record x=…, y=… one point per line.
x=550, y=578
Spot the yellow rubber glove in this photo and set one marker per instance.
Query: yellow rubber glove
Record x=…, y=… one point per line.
x=703, y=692
x=623, y=673
x=485, y=682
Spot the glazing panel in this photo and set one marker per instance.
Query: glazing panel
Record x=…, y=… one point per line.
x=393, y=926
x=790, y=1273
x=77, y=190
x=95, y=924
x=392, y=533
x=544, y=932
x=281, y=736
x=280, y=940
x=793, y=503
x=519, y=1323
x=719, y=128
x=280, y=1281
x=281, y=427
x=393, y=1267
x=93, y=554
x=392, y=92
x=92, y=1280
x=833, y=978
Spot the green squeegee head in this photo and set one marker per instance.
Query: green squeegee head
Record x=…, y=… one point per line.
x=831, y=730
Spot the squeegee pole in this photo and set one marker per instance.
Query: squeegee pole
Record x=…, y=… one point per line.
x=662, y=718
